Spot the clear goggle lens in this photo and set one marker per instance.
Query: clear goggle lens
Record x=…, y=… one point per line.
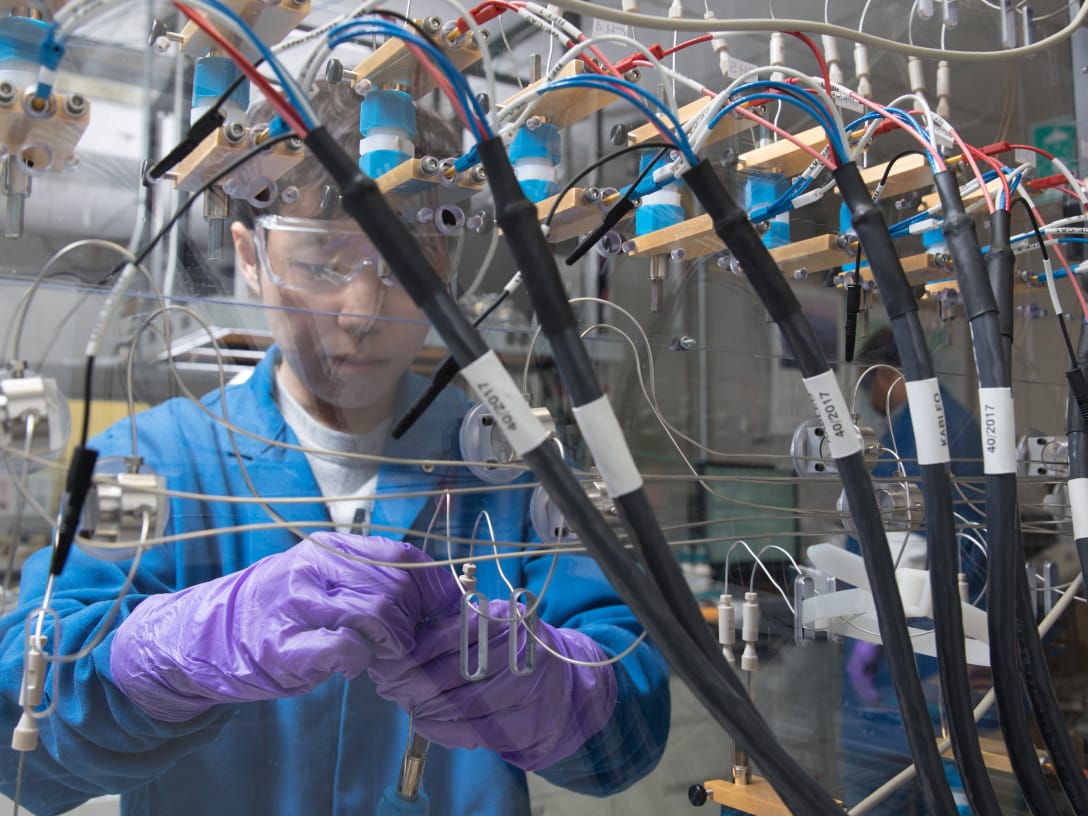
x=312, y=255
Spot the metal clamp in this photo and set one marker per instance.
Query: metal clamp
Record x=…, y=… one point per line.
x=481, y=636
x=529, y=622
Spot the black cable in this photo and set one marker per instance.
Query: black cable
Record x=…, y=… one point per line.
x=710, y=678
x=940, y=527
x=1077, y=427
x=853, y=306
x=603, y=160
x=1002, y=509
x=616, y=213
x=888, y=169
x=732, y=225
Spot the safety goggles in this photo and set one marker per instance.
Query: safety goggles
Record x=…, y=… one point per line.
x=315, y=255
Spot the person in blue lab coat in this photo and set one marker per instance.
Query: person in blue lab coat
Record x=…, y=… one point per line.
x=874, y=744
x=249, y=673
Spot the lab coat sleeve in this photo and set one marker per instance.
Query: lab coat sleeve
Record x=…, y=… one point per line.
x=578, y=596
x=95, y=741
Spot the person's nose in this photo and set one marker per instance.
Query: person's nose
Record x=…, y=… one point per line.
x=361, y=304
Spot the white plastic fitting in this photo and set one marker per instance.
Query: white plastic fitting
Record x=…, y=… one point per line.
x=861, y=68
x=778, y=55
x=916, y=72
x=727, y=626
x=944, y=89
x=630, y=6
x=750, y=617
x=834, y=59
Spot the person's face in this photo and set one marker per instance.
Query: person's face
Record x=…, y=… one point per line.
x=346, y=329
x=886, y=390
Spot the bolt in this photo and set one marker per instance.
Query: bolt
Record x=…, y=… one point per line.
x=428, y=165
x=7, y=92
x=293, y=145
x=289, y=194
x=591, y=195
x=362, y=86
x=75, y=105
x=682, y=342
x=432, y=25
x=424, y=214
x=427, y=467
x=629, y=247
x=478, y=174
x=677, y=254
x=800, y=274
x=533, y=123
x=71, y=163
x=234, y=132
x=618, y=134
x=634, y=75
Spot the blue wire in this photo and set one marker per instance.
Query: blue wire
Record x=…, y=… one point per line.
x=348, y=31
x=291, y=89
x=820, y=116
x=616, y=86
x=813, y=106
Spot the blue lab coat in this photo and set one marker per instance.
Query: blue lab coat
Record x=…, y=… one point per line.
x=335, y=749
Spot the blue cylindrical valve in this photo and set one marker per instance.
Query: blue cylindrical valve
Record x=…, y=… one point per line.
x=213, y=75
x=20, y=39
x=661, y=208
x=761, y=190
x=387, y=121
x=535, y=156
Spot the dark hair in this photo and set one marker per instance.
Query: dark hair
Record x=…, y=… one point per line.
x=880, y=348
x=337, y=108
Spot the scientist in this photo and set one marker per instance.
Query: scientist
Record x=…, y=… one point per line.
x=251, y=673
x=874, y=744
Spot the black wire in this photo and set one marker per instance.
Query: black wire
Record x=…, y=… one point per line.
x=141, y=256
x=891, y=164
x=1037, y=229
x=623, y=151
x=616, y=213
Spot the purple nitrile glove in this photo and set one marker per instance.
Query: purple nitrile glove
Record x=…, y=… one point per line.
x=531, y=721
x=275, y=629
x=861, y=665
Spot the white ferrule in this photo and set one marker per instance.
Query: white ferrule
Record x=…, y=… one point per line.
x=727, y=621
x=750, y=618
x=916, y=72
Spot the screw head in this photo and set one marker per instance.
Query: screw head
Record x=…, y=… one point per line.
x=697, y=795
x=7, y=92
x=234, y=132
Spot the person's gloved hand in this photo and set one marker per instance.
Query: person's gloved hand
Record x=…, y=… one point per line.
x=861, y=666
x=531, y=721
x=275, y=629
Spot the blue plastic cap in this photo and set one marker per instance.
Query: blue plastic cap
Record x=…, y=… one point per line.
x=213, y=75
x=377, y=163
x=393, y=109
x=278, y=127
x=534, y=144
x=21, y=39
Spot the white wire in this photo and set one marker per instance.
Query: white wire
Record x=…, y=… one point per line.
x=604, y=12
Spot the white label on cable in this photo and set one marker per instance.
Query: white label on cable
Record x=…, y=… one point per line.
x=739, y=66
x=1078, y=502
x=930, y=425
x=602, y=433
x=843, y=438
x=494, y=386
x=998, y=430
x=610, y=28
x=1022, y=156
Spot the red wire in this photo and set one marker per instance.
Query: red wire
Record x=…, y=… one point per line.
x=278, y=102
x=994, y=163
x=668, y=52
x=1032, y=148
x=819, y=57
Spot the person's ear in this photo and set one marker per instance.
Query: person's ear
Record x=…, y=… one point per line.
x=245, y=255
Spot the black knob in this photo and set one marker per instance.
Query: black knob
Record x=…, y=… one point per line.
x=618, y=134
x=697, y=795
